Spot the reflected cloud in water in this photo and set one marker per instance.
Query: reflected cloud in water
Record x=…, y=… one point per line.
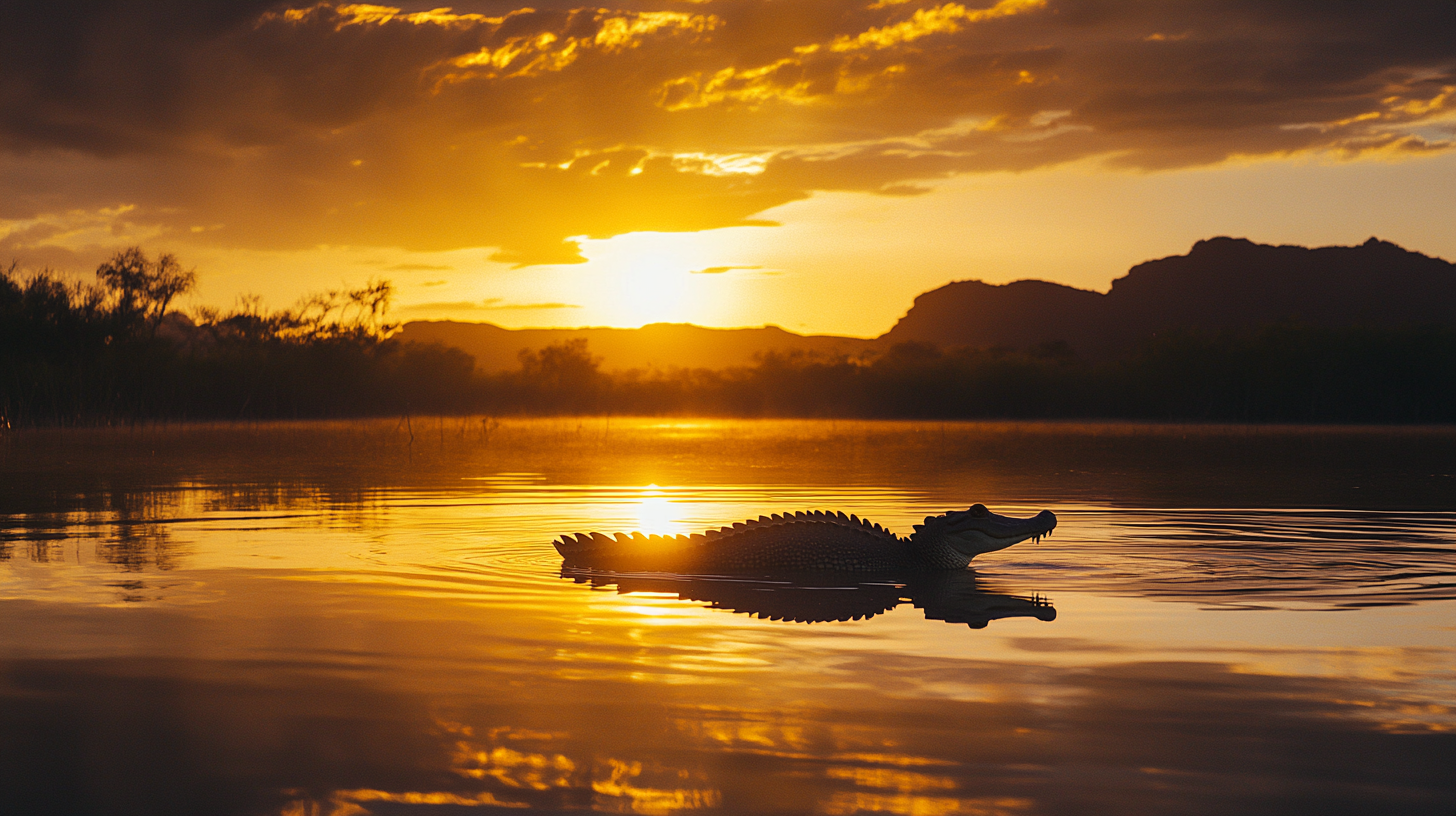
x=1148, y=738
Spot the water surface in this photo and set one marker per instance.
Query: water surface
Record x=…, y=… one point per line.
x=346, y=618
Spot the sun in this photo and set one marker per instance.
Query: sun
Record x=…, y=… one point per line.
x=648, y=277
x=656, y=286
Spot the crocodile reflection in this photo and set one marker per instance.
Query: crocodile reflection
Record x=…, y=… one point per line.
x=953, y=597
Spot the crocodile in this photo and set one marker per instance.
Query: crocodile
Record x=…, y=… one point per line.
x=809, y=541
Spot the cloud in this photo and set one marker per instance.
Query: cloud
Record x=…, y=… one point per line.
x=497, y=303
x=73, y=241
x=945, y=19
x=489, y=304
x=258, y=125
x=419, y=267
x=718, y=270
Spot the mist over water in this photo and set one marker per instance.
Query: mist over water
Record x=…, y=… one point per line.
x=368, y=617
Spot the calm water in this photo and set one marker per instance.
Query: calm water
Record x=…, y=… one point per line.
x=369, y=618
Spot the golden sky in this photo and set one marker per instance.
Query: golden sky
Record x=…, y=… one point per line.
x=808, y=163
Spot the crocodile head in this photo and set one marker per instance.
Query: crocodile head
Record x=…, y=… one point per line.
x=960, y=535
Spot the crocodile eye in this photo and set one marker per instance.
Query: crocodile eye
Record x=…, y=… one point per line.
x=979, y=510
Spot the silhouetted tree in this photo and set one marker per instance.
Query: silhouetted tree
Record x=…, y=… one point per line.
x=143, y=288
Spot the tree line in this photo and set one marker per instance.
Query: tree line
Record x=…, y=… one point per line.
x=111, y=351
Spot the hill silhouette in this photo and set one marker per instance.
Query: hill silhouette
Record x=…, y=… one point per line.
x=659, y=345
x=1222, y=284
x=1021, y=314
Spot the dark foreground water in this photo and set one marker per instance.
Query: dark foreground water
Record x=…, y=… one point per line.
x=368, y=618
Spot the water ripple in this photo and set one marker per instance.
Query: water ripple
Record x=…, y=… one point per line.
x=492, y=538
x=1328, y=559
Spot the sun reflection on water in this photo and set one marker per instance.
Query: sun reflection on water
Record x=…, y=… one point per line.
x=655, y=513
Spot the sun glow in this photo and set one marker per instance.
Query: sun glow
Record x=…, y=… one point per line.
x=655, y=288
x=655, y=513
x=648, y=277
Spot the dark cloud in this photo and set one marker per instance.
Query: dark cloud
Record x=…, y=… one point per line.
x=107, y=76
x=277, y=127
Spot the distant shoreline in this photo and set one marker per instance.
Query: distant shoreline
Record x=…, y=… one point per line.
x=427, y=423
x=1232, y=332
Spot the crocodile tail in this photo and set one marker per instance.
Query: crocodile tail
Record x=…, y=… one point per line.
x=569, y=545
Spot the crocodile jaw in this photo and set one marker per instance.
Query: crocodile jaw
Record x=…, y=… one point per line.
x=977, y=530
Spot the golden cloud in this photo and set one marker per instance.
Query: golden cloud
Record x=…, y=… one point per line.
x=627, y=31
x=428, y=129
x=365, y=14
x=943, y=19
x=780, y=81
x=553, y=51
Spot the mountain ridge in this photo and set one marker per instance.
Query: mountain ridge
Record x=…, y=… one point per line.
x=1220, y=284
